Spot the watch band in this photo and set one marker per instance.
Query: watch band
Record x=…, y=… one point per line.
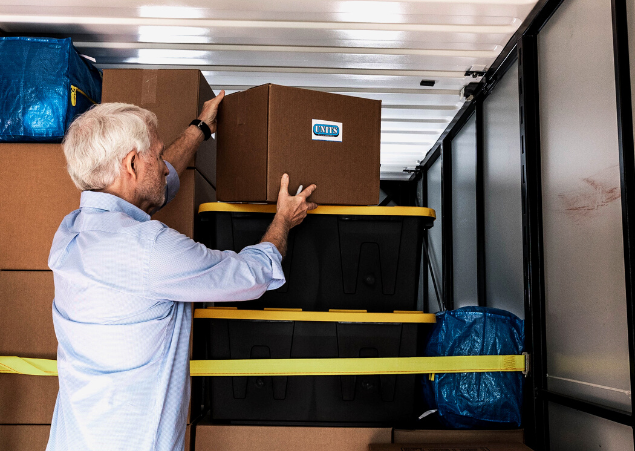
x=202, y=126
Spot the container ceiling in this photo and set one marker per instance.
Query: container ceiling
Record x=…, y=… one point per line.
x=374, y=49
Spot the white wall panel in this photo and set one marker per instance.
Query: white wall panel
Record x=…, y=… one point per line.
x=464, y=250
x=587, y=345
x=504, y=286
x=434, y=234
x=571, y=430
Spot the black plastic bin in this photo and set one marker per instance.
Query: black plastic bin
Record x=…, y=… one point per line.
x=368, y=399
x=339, y=257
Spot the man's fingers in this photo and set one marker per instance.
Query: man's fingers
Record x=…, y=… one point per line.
x=311, y=206
x=308, y=191
x=216, y=100
x=284, y=184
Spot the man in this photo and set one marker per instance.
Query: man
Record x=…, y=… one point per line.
x=124, y=283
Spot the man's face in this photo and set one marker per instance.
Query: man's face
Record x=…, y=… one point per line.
x=152, y=175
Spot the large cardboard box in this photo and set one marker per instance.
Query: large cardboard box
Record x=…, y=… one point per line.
x=26, y=330
x=37, y=193
x=486, y=446
x=280, y=438
x=457, y=436
x=26, y=320
x=35, y=437
x=454, y=440
x=175, y=96
x=188, y=434
x=24, y=438
x=316, y=137
x=27, y=399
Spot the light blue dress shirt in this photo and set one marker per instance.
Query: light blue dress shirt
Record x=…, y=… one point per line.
x=122, y=316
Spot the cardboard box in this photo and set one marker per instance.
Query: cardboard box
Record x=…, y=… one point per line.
x=279, y=438
x=24, y=438
x=27, y=399
x=35, y=438
x=268, y=130
x=457, y=436
x=37, y=193
x=492, y=446
x=26, y=330
x=188, y=433
x=180, y=214
x=175, y=96
x=26, y=320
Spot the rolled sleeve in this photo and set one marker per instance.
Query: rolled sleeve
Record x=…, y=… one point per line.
x=183, y=270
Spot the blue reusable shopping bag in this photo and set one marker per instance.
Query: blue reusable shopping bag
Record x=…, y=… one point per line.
x=476, y=400
x=44, y=84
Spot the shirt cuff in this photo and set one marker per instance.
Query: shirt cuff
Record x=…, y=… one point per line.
x=271, y=251
x=173, y=184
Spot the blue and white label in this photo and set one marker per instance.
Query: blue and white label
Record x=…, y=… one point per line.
x=326, y=130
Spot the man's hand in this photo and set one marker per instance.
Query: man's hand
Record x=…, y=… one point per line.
x=184, y=147
x=210, y=110
x=291, y=211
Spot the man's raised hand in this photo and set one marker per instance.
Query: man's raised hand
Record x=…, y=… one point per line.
x=210, y=110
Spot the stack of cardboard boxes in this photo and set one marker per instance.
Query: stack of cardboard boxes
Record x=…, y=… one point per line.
x=37, y=193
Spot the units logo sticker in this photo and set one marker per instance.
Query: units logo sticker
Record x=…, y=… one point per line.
x=326, y=130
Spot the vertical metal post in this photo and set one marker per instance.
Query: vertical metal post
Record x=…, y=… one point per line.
x=627, y=166
x=424, y=255
x=446, y=232
x=480, y=208
x=536, y=417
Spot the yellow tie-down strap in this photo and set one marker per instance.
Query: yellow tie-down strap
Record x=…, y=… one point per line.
x=353, y=316
x=32, y=367
x=313, y=367
x=344, y=210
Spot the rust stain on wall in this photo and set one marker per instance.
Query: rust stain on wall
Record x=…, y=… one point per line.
x=595, y=193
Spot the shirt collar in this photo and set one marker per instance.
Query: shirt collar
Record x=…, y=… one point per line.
x=110, y=202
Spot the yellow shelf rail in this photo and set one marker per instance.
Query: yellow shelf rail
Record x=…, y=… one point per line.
x=321, y=210
x=353, y=316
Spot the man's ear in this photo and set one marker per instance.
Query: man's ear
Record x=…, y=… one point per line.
x=131, y=163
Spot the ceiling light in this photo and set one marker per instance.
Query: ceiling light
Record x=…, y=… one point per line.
x=176, y=21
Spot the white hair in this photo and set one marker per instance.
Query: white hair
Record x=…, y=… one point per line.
x=98, y=140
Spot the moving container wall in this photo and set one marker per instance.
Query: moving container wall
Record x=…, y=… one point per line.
x=502, y=209
x=575, y=430
x=464, y=227
x=585, y=299
x=553, y=232
x=432, y=181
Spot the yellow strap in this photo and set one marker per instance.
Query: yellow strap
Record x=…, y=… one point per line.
x=331, y=316
x=33, y=367
x=322, y=209
x=356, y=366
x=311, y=367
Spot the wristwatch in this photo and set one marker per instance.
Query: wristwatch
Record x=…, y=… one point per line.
x=202, y=126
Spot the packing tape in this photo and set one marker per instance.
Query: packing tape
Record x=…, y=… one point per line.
x=311, y=367
x=149, y=82
x=331, y=316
